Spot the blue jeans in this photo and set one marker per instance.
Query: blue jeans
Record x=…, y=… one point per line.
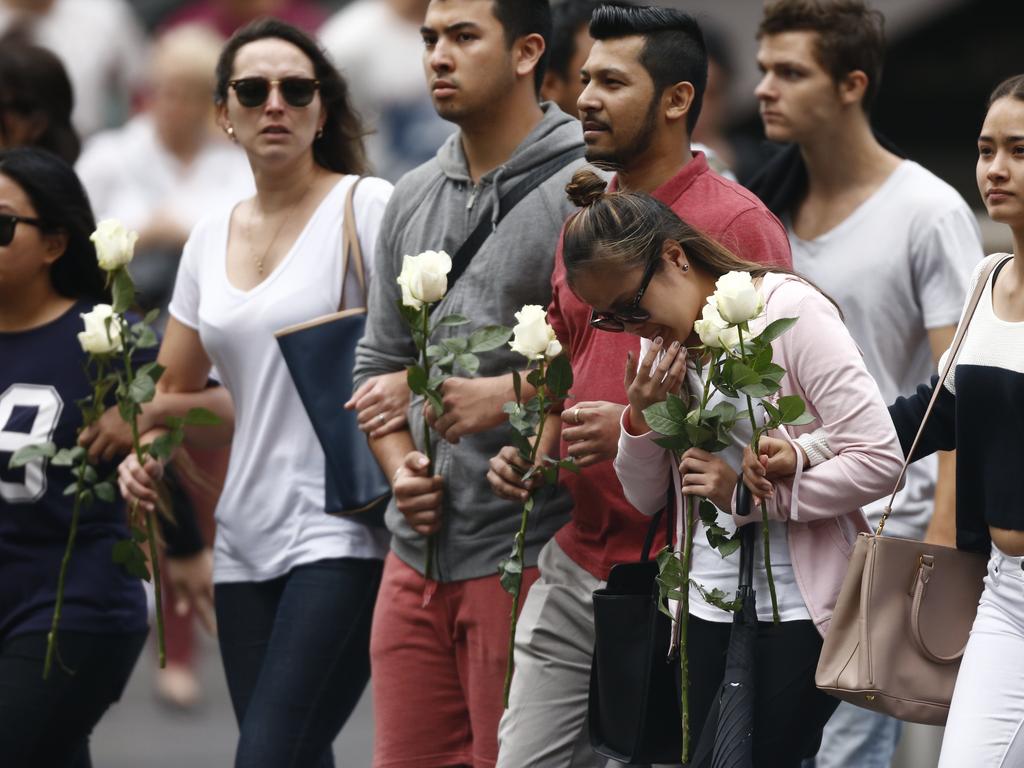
x=296, y=657
x=857, y=738
x=46, y=723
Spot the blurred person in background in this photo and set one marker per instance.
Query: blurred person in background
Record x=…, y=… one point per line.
x=226, y=16
x=294, y=586
x=892, y=243
x=36, y=100
x=377, y=46
x=570, y=45
x=101, y=43
x=168, y=166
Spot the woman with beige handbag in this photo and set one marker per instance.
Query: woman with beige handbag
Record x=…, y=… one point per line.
x=977, y=411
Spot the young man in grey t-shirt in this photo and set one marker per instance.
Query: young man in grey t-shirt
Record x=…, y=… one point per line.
x=893, y=244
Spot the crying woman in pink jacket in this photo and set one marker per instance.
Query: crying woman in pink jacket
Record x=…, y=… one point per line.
x=645, y=271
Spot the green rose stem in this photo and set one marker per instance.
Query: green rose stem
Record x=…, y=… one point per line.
x=154, y=555
x=764, y=510
x=51, y=637
x=521, y=539
x=427, y=445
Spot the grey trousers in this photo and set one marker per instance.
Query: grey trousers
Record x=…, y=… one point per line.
x=545, y=725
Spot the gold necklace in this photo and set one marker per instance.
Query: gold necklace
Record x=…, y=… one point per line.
x=280, y=227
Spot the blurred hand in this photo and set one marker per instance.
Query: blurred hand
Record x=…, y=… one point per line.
x=110, y=436
x=470, y=406
x=591, y=429
x=645, y=387
x=708, y=476
x=506, y=475
x=381, y=403
x=192, y=580
x=138, y=483
x=418, y=494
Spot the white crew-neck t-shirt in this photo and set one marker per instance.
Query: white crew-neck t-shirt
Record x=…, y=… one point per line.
x=270, y=517
x=898, y=266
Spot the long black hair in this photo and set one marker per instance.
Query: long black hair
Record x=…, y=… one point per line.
x=63, y=207
x=339, y=147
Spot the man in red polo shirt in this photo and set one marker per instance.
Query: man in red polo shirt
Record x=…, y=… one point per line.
x=645, y=78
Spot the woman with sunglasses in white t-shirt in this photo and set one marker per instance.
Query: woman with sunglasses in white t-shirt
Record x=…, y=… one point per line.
x=294, y=587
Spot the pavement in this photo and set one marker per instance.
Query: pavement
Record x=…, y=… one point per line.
x=140, y=732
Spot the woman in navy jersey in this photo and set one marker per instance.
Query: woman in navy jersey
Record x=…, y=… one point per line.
x=48, y=276
x=978, y=413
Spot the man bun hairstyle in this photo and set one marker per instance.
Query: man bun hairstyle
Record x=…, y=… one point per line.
x=674, y=49
x=526, y=17
x=1012, y=87
x=624, y=230
x=850, y=36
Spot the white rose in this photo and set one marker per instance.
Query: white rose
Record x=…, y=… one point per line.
x=115, y=244
x=96, y=339
x=424, y=278
x=532, y=337
x=710, y=326
x=736, y=298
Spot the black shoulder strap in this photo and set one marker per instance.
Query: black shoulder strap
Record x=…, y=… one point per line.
x=508, y=201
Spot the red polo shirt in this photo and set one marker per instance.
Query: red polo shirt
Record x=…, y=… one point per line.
x=605, y=529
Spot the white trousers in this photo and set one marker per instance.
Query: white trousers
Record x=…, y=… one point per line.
x=984, y=729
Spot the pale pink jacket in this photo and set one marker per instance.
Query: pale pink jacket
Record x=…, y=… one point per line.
x=821, y=505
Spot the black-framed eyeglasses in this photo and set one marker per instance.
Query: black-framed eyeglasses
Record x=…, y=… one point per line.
x=617, y=320
x=254, y=91
x=8, y=221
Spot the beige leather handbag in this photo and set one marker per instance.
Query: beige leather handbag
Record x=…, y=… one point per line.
x=905, y=610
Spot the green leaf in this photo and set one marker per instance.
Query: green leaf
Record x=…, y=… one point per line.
x=759, y=389
x=128, y=408
x=434, y=398
x=468, y=362
x=416, y=378
x=510, y=571
x=87, y=499
x=145, y=337
x=139, y=534
x=676, y=408
x=489, y=337
x=151, y=316
x=153, y=370
x=456, y=345
x=201, y=417
x=696, y=433
x=435, y=351
x=522, y=444
x=728, y=546
x=452, y=321
x=773, y=330
x=791, y=409
x=70, y=490
x=28, y=453
x=105, y=492
x=658, y=419
x=91, y=475
x=436, y=381
x=163, y=446
x=142, y=389
x=517, y=385
x=67, y=457
x=535, y=378
x=559, y=377
x=726, y=413
x=719, y=599
x=743, y=376
x=708, y=512
x=123, y=291
x=679, y=443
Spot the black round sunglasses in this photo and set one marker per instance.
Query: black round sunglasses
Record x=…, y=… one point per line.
x=616, y=320
x=254, y=91
x=8, y=221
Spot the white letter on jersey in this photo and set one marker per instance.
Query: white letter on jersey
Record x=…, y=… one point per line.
x=48, y=408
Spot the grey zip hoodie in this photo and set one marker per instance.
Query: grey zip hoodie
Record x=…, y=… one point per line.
x=436, y=207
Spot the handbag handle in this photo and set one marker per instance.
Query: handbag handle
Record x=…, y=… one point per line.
x=954, y=348
x=925, y=567
x=351, y=251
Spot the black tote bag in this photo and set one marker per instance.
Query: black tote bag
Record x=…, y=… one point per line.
x=320, y=355
x=633, y=703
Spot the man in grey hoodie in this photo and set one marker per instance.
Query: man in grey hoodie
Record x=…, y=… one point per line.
x=438, y=645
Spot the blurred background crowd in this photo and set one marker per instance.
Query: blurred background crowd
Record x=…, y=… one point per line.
x=122, y=88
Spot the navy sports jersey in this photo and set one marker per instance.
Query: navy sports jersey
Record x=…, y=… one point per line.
x=41, y=378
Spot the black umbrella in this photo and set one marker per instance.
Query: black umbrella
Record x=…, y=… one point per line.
x=728, y=737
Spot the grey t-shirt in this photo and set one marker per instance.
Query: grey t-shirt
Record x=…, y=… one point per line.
x=898, y=266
